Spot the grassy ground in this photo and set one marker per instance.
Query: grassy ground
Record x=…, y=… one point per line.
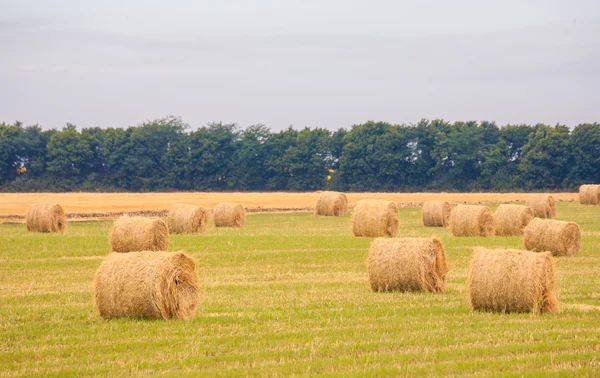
x=288, y=295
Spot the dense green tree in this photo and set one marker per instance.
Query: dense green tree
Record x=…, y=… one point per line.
x=585, y=147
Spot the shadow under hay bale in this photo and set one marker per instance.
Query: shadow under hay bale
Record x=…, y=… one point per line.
x=407, y=264
x=560, y=238
x=512, y=280
x=332, y=204
x=472, y=220
x=543, y=205
x=512, y=219
x=187, y=219
x=436, y=214
x=46, y=217
x=372, y=218
x=147, y=284
x=228, y=214
x=589, y=194
x=130, y=234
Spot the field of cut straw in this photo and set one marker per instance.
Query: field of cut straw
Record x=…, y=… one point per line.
x=289, y=294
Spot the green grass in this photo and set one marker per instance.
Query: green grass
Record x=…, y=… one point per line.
x=288, y=295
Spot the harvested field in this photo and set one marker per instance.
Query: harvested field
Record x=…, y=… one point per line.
x=288, y=295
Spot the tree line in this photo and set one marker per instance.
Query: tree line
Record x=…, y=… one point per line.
x=432, y=155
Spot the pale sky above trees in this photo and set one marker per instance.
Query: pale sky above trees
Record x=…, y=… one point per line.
x=303, y=63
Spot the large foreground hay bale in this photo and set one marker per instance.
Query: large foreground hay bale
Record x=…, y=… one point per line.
x=153, y=285
x=187, y=219
x=472, y=220
x=589, y=194
x=375, y=218
x=229, y=215
x=46, y=217
x=407, y=264
x=512, y=280
x=543, y=205
x=436, y=214
x=131, y=234
x=332, y=204
x=511, y=219
x=560, y=238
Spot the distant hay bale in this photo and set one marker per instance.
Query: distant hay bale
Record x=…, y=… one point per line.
x=375, y=218
x=151, y=285
x=130, y=234
x=436, y=214
x=589, y=194
x=472, y=220
x=512, y=280
x=228, y=214
x=543, y=205
x=560, y=238
x=511, y=219
x=407, y=264
x=187, y=219
x=46, y=217
x=332, y=204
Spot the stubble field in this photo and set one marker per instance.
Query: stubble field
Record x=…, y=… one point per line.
x=289, y=295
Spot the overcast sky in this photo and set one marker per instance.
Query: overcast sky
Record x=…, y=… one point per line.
x=303, y=63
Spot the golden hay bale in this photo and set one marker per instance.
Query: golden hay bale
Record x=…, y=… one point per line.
x=560, y=238
x=229, y=215
x=589, y=194
x=512, y=280
x=46, y=217
x=543, y=205
x=375, y=218
x=511, y=219
x=436, y=214
x=332, y=203
x=147, y=284
x=131, y=234
x=472, y=220
x=407, y=264
x=187, y=219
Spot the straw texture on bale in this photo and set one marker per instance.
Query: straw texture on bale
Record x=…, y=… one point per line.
x=472, y=220
x=187, y=219
x=560, y=238
x=46, y=217
x=511, y=219
x=375, y=218
x=543, y=205
x=589, y=194
x=407, y=264
x=512, y=280
x=130, y=234
x=436, y=214
x=229, y=215
x=151, y=285
x=332, y=204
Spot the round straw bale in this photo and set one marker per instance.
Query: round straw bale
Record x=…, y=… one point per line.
x=436, y=214
x=332, y=203
x=375, y=218
x=46, y=217
x=543, y=205
x=187, y=219
x=407, y=264
x=511, y=219
x=131, y=234
x=229, y=215
x=560, y=238
x=512, y=280
x=472, y=220
x=589, y=194
x=152, y=285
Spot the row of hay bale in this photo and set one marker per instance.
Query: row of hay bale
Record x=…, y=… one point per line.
x=499, y=280
x=182, y=219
